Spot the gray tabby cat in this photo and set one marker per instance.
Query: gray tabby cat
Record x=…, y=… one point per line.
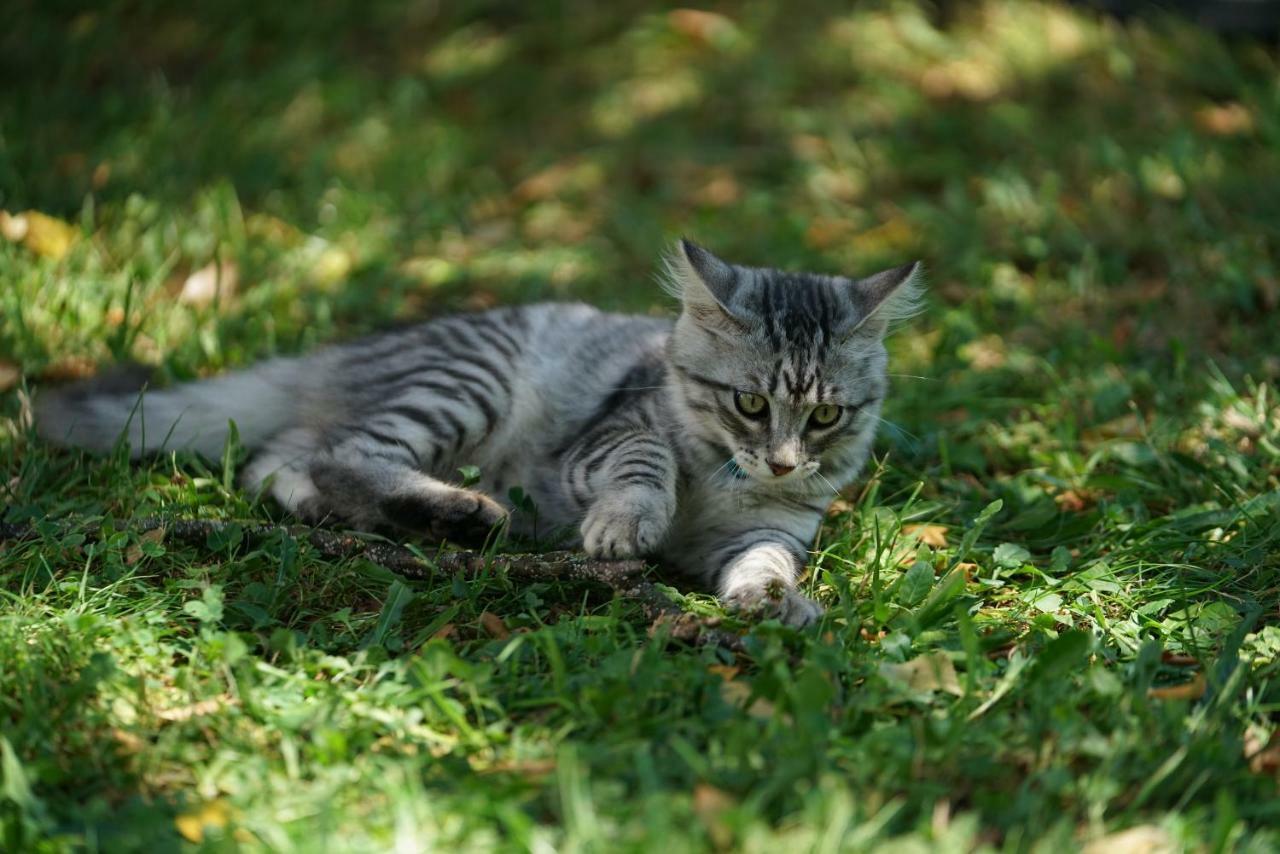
x=714, y=444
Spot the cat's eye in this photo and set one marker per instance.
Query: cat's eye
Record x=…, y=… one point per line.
x=824, y=415
x=750, y=405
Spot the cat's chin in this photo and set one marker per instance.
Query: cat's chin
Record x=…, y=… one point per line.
x=798, y=481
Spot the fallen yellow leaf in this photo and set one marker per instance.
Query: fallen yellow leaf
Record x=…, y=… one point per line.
x=930, y=672
x=192, y=824
x=195, y=710
x=48, y=236
x=739, y=693
x=13, y=226
x=725, y=671
x=213, y=281
x=1143, y=839
x=839, y=506
x=530, y=768
x=930, y=535
x=331, y=266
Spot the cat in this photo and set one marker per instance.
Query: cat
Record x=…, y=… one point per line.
x=714, y=443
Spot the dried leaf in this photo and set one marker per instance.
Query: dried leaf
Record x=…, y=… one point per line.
x=1125, y=427
x=709, y=804
x=134, y=553
x=494, y=626
x=1263, y=758
x=209, y=814
x=1072, y=501
x=727, y=672
x=186, y=713
x=720, y=189
x=128, y=742
x=48, y=236
x=1230, y=119
x=1192, y=690
x=331, y=266
x=739, y=693
x=9, y=374
x=13, y=226
x=69, y=368
x=1143, y=839
x=839, y=506
x=825, y=232
x=930, y=535
x=531, y=768
x=445, y=631
x=706, y=27
x=213, y=281
x=930, y=672
x=894, y=235
x=984, y=354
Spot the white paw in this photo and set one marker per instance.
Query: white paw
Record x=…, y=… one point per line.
x=775, y=600
x=625, y=526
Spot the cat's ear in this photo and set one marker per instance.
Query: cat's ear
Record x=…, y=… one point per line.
x=885, y=297
x=706, y=286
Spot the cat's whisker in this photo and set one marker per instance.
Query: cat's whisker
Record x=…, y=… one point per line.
x=827, y=482
x=721, y=468
x=912, y=377
x=902, y=430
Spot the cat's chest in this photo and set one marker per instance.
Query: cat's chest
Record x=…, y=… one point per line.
x=711, y=509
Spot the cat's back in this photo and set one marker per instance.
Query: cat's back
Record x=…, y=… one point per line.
x=580, y=355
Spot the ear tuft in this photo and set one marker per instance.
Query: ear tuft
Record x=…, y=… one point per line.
x=704, y=284
x=887, y=297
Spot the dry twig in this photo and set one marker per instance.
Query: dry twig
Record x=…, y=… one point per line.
x=626, y=578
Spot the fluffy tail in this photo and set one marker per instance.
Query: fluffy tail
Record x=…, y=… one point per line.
x=193, y=416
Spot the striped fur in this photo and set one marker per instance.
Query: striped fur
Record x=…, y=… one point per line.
x=623, y=430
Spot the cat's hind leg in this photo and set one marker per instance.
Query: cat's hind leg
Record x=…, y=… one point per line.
x=281, y=469
x=369, y=486
x=373, y=493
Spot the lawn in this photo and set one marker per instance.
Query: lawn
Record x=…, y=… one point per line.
x=1053, y=600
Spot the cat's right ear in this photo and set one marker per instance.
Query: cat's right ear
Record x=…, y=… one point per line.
x=706, y=286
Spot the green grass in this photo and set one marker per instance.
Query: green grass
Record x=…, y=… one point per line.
x=1099, y=209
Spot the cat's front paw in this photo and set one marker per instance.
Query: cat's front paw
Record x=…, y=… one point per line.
x=626, y=525
x=763, y=601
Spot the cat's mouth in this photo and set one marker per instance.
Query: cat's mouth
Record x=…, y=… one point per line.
x=749, y=469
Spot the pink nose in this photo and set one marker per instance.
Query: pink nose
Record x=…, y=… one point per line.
x=779, y=469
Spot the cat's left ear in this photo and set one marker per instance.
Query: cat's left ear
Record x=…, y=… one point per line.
x=885, y=297
x=709, y=289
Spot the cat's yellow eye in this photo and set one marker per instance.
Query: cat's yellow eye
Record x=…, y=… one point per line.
x=824, y=415
x=750, y=405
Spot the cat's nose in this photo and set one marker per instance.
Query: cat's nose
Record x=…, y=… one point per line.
x=780, y=469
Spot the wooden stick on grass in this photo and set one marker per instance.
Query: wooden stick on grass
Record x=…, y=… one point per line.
x=626, y=578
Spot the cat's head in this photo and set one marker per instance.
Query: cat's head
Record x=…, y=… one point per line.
x=784, y=371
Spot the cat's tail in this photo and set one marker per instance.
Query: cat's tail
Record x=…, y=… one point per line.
x=194, y=416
